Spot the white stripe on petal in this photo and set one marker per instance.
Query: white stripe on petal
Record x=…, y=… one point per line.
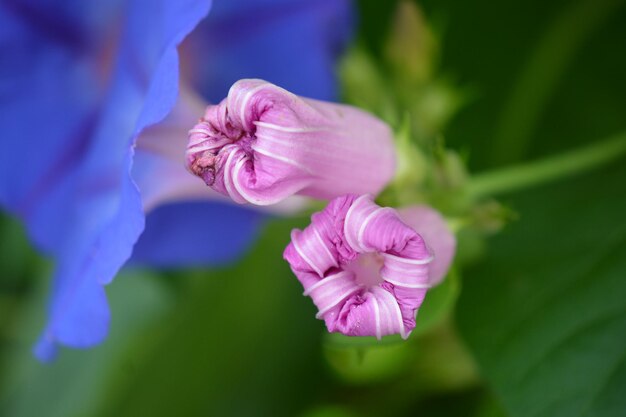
x=296, y=245
x=366, y=222
x=244, y=102
x=317, y=145
x=291, y=129
x=333, y=261
x=200, y=148
x=409, y=261
x=324, y=281
x=408, y=279
x=339, y=299
x=328, y=293
x=405, y=285
x=376, y=315
x=228, y=172
x=406, y=267
x=254, y=90
x=200, y=130
x=247, y=196
x=348, y=220
x=282, y=159
x=391, y=302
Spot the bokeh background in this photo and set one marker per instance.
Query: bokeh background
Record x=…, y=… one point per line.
x=531, y=322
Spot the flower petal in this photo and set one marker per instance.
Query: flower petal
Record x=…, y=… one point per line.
x=364, y=268
x=283, y=41
x=216, y=233
x=434, y=229
x=159, y=161
x=263, y=144
x=73, y=117
x=187, y=223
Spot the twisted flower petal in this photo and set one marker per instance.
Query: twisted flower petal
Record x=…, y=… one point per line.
x=263, y=144
x=364, y=268
x=291, y=43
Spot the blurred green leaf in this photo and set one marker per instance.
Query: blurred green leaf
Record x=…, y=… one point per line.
x=242, y=341
x=364, y=85
x=371, y=363
x=545, y=313
x=475, y=402
x=411, y=48
x=74, y=384
x=375, y=19
x=366, y=360
x=488, y=45
x=438, y=304
x=330, y=411
x=543, y=71
x=19, y=262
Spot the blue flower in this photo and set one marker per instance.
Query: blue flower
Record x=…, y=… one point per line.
x=89, y=134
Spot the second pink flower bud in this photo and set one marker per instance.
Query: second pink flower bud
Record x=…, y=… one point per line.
x=263, y=144
x=367, y=268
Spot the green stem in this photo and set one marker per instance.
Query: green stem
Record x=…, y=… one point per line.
x=542, y=73
x=554, y=168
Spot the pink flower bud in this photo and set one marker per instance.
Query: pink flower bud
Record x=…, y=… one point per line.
x=433, y=228
x=263, y=144
x=365, y=269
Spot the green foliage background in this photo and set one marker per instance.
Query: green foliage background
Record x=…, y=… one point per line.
x=531, y=322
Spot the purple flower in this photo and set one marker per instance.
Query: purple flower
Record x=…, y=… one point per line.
x=81, y=81
x=365, y=268
x=263, y=144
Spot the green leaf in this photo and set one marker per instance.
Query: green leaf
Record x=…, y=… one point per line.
x=438, y=303
x=366, y=360
x=242, y=341
x=74, y=384
x=545, y=312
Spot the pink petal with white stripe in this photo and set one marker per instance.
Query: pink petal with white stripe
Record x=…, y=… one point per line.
x=364, y=268
x=263, y=144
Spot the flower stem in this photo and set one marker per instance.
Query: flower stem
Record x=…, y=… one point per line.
x=554, y=168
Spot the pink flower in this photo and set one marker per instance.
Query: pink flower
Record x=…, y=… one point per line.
x=263, y=144
x=366, y=270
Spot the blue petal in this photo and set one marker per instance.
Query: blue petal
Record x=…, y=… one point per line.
x=214, y=233
x=291, y=43
x=77, y=91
